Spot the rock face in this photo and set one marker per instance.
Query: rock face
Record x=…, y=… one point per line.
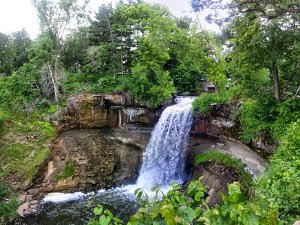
x=100, y=160
x=102, y=110
x=221, y=123
x=216, y=176
x=201, y=143
x=224, y=122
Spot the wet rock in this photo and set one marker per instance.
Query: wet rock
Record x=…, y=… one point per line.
x=28, y=198
x=22, y=198
x=100, y=159
x=33, y=192
x=23, y=209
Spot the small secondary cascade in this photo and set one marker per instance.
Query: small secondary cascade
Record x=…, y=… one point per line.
x=165, y=156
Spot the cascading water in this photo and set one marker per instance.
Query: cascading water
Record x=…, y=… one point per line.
x=165, y=155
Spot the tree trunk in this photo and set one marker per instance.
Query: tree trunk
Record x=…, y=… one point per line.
x=217, y=89
x=274, y=74
x=53, y=76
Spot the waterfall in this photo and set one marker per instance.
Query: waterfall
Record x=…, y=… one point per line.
x=165, y=156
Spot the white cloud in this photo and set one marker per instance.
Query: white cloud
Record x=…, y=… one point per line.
x=18, y=14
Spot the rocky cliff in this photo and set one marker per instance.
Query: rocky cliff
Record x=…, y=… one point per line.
x=224, y=123
x=103, y=110
x=101, y=138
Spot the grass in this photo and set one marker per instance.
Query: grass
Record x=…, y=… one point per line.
x=67, y=171
x=226, y=160
x=24, y=148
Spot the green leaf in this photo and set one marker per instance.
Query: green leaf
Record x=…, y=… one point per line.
x=199, y=195
x=98, y=210
x=104, y=220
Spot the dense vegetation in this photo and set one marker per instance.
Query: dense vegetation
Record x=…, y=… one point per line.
x=143, y=49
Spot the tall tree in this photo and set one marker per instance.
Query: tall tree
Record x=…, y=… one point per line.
x=6, y=55
x=20, y=44
x=56, y=19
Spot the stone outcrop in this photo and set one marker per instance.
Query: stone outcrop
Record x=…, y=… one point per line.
x=224, y=122
x=100, y=159
x=103, y=110
x=221, y=122
x=216, y=177
x=201, y=143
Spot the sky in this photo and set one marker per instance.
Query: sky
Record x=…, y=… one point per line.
x=18, y=14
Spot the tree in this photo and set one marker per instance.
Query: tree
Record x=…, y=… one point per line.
x=20, y=45
x=263, y=38
x=6, y=55
x=56, y=18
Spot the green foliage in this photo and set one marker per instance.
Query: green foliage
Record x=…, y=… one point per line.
x=203, y=104
x=236, y=211
x=239, y=167
x=7, y=207
x=105, y=217
x=266, y=118
x=67, y=171
x=279, y=187
x=185, y=208
x=171, y=208
x=24, y=147
x=257, y=118
x=288, y=112
x=3, y=117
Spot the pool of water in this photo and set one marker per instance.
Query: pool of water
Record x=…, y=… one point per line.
x=77, y=208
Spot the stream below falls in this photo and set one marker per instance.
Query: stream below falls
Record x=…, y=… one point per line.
x=77, y=208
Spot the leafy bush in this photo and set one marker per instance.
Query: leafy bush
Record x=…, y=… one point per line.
x=153, y=86
x=266, y=118
x=257, y=117
x=185, y=208
x=105, y=217
x=288, y=111
x=3, y=118
x=202, y=104
x=7, y=207
x=279, y=187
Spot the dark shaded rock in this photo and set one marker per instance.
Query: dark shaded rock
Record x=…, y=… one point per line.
x=216, y=176
x=101, y=160
x=33, y=192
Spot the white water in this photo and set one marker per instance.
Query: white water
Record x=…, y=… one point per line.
x=165, y=156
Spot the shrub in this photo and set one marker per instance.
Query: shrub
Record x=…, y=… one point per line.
x=257, y=117
x=288, y=111
x=185, y=208
x=279, y=187
x=202, y=104
x=7, y=207
x=3, y=118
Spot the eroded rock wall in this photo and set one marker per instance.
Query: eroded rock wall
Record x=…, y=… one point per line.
x=102, y=110
x=100, y=159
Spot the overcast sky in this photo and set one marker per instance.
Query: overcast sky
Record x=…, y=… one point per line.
x=18, y=14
